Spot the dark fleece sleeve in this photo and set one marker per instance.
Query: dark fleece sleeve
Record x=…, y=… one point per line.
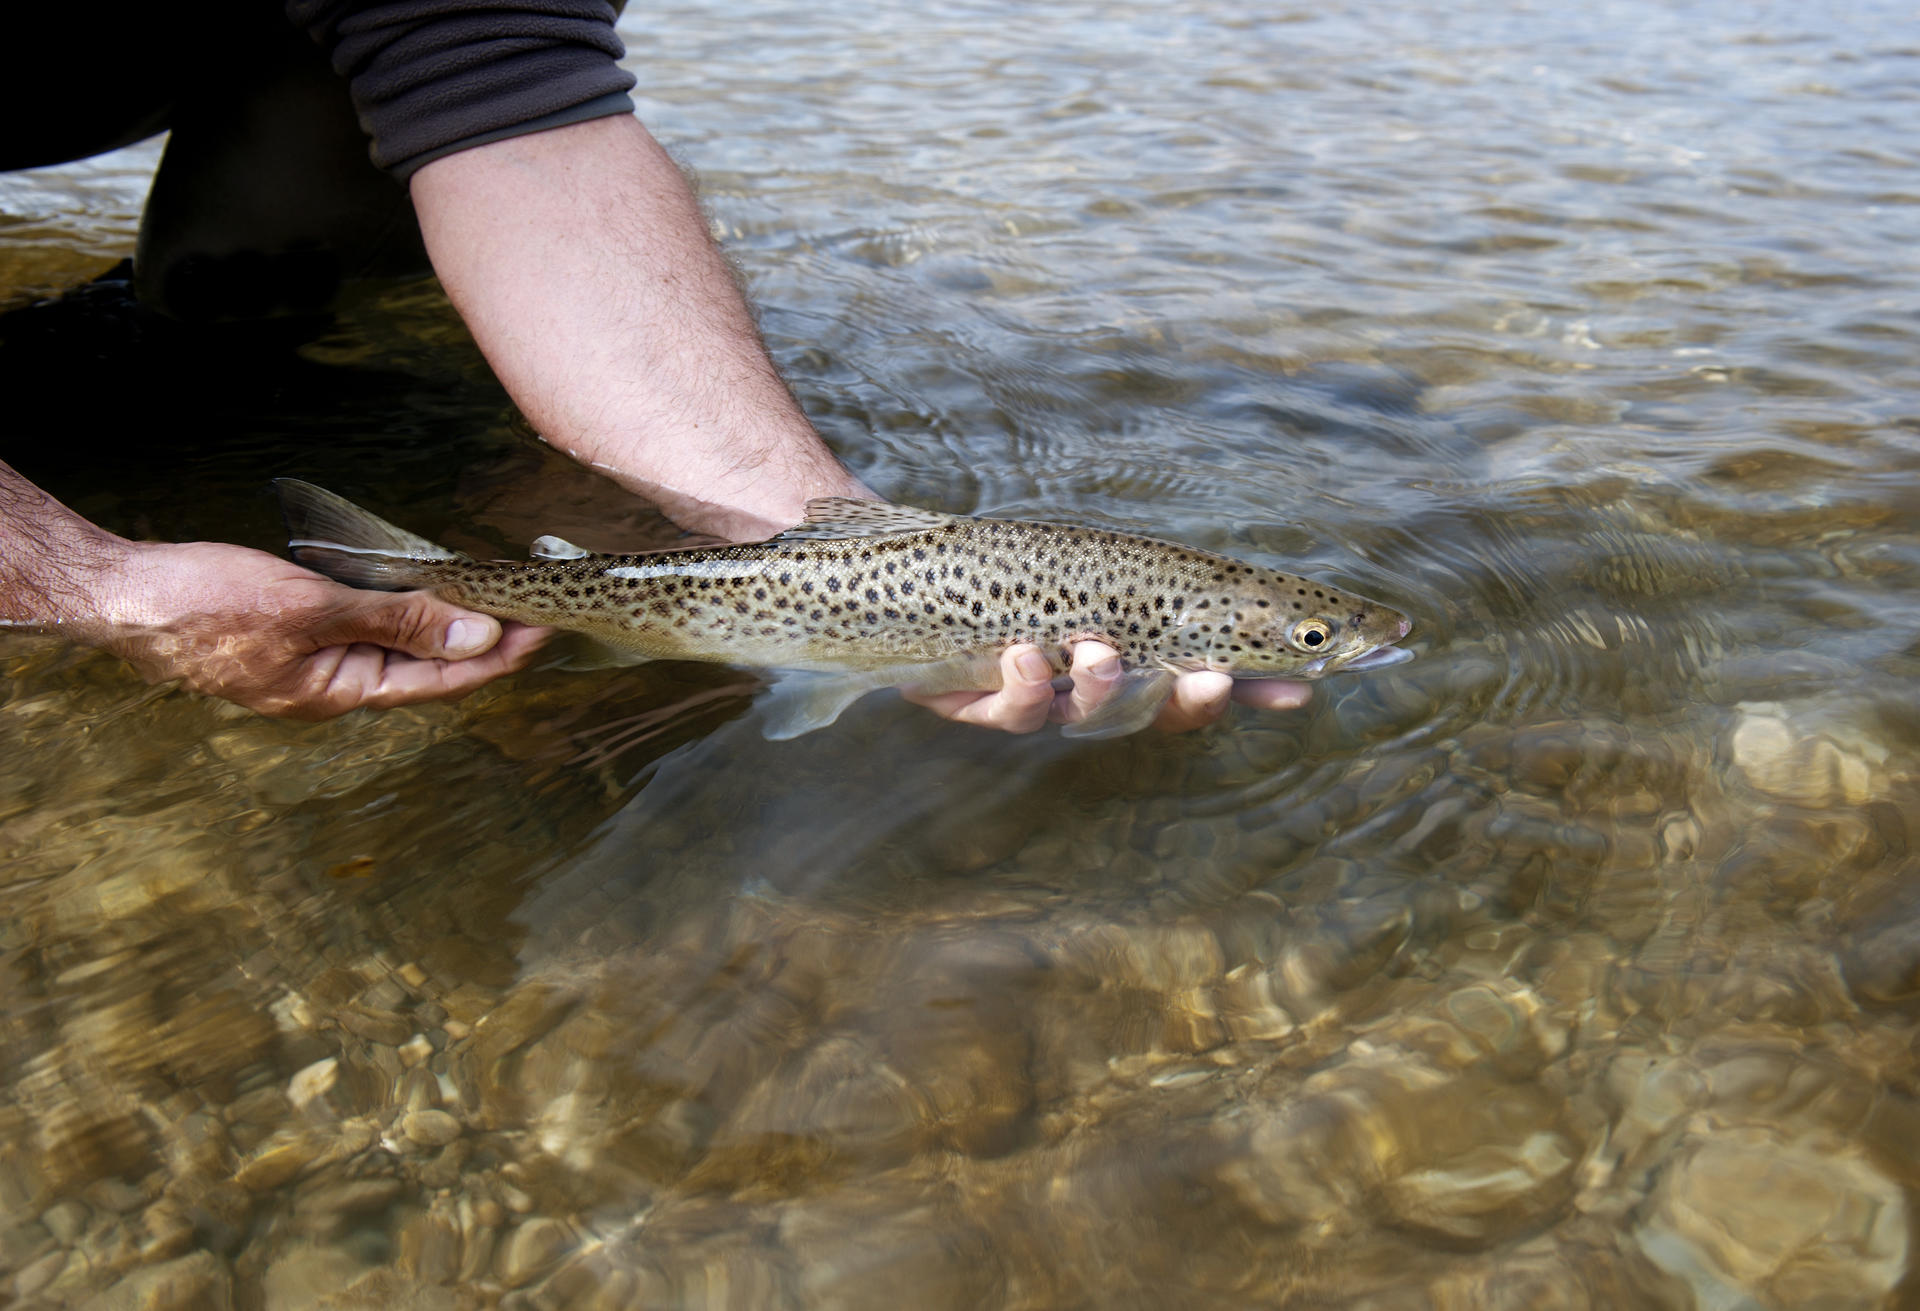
x=430, y=77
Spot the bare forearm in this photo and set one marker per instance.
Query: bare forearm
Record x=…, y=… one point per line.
x=56, y=569
x=584, y=268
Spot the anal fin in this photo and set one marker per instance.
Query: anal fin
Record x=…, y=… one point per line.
x=1130, y=708
x=576, y=652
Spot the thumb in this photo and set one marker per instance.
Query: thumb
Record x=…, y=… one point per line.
x=417, y=623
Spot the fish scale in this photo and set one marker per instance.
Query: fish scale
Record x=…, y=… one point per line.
x=888, y=595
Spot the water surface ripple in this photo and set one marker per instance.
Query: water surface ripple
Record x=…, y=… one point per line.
x=1575, y=963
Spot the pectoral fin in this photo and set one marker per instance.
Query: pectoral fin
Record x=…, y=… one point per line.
x=576, y=652
x=800, y=703
x=1131, y=707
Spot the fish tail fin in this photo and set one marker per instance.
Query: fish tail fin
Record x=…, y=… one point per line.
x=350, y=545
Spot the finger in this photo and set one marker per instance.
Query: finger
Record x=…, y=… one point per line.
x=404, y=680
x=343, y=678
x=1096, y=673
x=1021, y=704
x=1271, y=693
x=416, y=623
x=1197, y=699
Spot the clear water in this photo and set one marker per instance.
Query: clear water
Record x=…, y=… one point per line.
x=1575, y=963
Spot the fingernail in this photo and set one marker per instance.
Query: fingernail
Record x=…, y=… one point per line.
x=1033, y=667
x=467, y=636
x=1108, y=668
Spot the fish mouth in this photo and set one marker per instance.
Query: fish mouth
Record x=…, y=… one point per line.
x=1381, y=657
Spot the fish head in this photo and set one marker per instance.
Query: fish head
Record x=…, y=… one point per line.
x=1282, y=626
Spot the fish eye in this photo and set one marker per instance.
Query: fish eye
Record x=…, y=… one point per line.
x=1311, y=633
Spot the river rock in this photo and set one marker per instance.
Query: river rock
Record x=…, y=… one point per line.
x=530, y=1250
x=39, y=1273
x=430, y=1245
x=312, y=1082
x=1486, y=1190
x=66, y=1220
x=954, y=1026
x=836, y=1107
x=1788, y=761
x=307, y=1275
x=279, y=1159
x=430, y=1128
x=877, y=1254
x=197, y=1282
x=387, y=1028
x=329, y=1207
x=1744, y=1217
x=1462, y=1158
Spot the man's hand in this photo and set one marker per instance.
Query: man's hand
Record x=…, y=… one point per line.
x=1027, y=699
x=254, y=629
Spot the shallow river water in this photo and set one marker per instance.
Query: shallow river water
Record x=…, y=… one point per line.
x=1575, y=963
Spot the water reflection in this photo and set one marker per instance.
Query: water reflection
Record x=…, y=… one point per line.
x=1572, y=964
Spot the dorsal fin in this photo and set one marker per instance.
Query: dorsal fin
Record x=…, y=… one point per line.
x=842, y=516
x=555, y=548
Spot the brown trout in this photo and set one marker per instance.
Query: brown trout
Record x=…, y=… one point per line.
x=888, y=596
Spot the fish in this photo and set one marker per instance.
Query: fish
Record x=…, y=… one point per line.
x=865, y=594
